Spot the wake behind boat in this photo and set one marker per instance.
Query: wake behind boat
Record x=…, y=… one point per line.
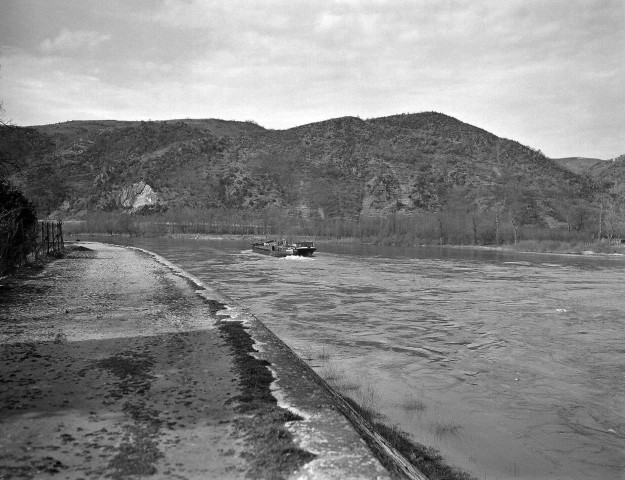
x=284, y=249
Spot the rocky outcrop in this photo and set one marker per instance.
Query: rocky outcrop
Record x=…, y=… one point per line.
x=137, y=195
x=381, y=193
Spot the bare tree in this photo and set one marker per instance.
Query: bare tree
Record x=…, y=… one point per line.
x=8, y=162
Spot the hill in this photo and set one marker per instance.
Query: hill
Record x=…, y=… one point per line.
x=344, y=167
x=579, y=165
x=610, y=175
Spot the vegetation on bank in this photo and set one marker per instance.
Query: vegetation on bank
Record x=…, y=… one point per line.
x=18, y=215
x=428, y=460
x=23, y=240
x=443, y=228
x=18, y=221
x=603, y=246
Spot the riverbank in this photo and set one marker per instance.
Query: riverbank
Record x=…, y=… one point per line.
x=116, y=363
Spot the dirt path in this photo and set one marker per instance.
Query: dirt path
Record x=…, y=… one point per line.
x=112, y=364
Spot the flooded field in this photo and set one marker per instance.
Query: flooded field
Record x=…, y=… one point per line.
x=513, y=366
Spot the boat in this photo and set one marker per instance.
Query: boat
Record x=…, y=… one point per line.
x=304, y=249
x=284, y=249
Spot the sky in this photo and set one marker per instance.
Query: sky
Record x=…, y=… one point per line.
x=547, y=73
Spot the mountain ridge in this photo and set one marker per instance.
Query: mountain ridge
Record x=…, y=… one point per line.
x=340, y=167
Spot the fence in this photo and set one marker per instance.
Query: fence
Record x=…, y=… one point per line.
x=49, y=239
x=20, y=244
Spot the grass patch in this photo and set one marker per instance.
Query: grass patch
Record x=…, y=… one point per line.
x=272, y=452
x=348, y=386
x=324, y=355
x=570, y=247
x=443, y=429
x=428, y=460
x=370, y=399
x=412, y=405
x=332, y=374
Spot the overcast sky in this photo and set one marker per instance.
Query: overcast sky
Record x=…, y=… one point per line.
x=548, y=73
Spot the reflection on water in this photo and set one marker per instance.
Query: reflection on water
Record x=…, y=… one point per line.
x=512, y=365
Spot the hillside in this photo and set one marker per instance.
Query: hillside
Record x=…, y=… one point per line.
x=610, y=175
x=579, y=165
x=607, y=174
x=342, y=167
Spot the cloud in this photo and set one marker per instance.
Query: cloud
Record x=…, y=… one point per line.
x=538, y=72
x=68, y=42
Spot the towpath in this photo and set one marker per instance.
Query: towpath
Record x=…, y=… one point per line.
x=113, y=363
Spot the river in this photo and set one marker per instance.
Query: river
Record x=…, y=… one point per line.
x=512, y=365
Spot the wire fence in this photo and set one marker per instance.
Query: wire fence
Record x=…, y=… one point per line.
x=49, y=239
x=20, y=244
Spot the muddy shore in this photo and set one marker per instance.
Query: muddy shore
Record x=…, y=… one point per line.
x=116, y=364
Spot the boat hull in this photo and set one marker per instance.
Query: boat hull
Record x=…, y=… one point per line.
x=304, y=251
x=273, y=249
x=270, y=252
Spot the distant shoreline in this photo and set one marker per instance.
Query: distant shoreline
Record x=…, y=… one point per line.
x=524, y=246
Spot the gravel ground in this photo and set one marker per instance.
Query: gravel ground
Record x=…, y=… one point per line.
x=115, y=364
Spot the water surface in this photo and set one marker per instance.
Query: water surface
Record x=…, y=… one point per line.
x=512, y=365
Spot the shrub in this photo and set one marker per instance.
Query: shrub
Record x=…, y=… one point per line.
x=18, y=220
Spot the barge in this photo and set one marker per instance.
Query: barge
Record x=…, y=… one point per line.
x=284, y=249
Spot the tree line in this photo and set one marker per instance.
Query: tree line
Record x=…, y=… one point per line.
x=451, y=226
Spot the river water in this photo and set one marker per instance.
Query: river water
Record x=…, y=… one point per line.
x=512, y=365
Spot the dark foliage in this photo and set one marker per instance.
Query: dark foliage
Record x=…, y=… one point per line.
x=17, y=221
x=19, y=146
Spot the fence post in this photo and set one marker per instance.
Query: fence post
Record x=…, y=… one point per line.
x=61, y=234
x=21, y=237
x=33, y=232
x=40, y=246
